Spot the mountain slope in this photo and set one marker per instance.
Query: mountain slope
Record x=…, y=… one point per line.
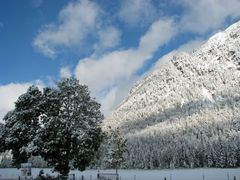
x=186, y=112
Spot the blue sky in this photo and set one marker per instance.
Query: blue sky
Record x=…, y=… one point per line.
x=106, y=44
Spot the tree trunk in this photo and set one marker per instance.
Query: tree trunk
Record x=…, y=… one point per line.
x=117, y=174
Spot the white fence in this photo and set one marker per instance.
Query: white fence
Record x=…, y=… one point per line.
x=178, y=174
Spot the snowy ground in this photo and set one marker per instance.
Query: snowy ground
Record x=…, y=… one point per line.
x=177, y=174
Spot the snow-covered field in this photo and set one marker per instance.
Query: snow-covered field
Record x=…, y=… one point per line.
x=176, y=174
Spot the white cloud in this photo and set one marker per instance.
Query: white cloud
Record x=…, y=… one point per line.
x=109, y=101
x=76, y=21
x=136, y=12
x=99, y=72
x=108, y=38
x=117, y=68
x=115, y=95
x=198, y=16
x=201, y=16
x=159, y=33
x=9, y=94
x=65, y=72
x=103, y=72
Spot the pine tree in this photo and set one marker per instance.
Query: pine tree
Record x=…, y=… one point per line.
x=71, y=132
x=116, y=149
x=2, y=138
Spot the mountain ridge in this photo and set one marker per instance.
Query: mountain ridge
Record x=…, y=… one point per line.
x=182, y=61
x=190, y=96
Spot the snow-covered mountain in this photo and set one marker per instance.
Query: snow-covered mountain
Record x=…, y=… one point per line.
x=186, y=112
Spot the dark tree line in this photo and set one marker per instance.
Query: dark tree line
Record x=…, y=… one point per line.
x=205, y=144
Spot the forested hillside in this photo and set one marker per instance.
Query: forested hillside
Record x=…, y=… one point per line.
x=186, y=112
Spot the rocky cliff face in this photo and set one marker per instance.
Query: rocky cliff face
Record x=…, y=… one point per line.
x=189, y=96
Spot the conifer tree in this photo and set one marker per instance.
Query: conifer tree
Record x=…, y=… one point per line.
x=2, y=139
x=116, y=149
